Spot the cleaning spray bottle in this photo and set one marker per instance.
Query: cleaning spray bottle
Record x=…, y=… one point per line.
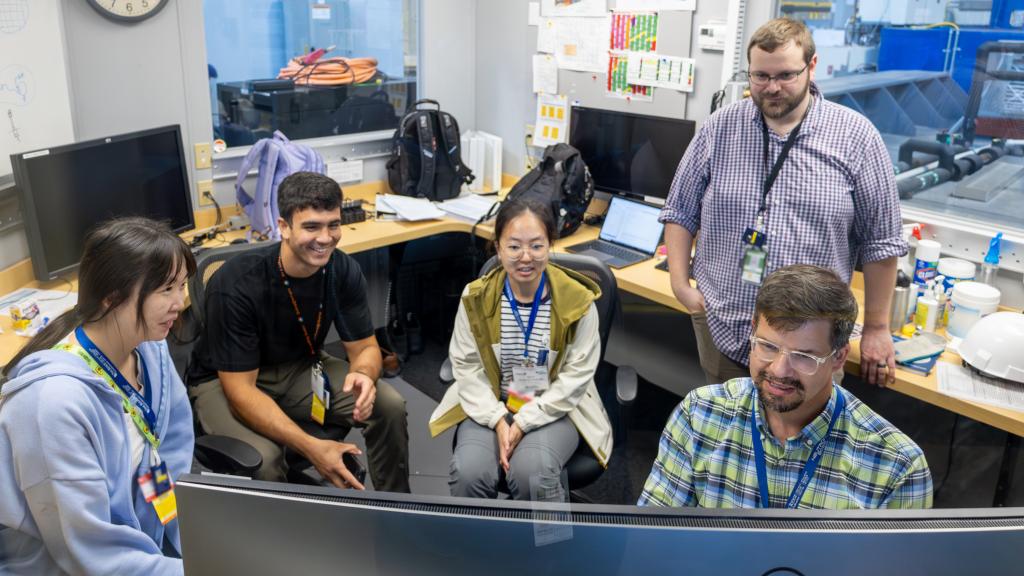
x=990, y=267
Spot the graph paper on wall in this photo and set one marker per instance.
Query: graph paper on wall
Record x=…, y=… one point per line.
x=634, y=32
x=619, y=86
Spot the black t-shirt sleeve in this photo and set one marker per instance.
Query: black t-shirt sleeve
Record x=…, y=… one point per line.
x=354, y=321
x=232, y=332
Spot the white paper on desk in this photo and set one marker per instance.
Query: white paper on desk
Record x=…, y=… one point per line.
x=547, y=35
x=552, y=123
x=582, y=44
x=545, y=74
x=961, y=382
x=533, y=14
x=654, y=5
x=408, y=208
x=661, y=71
x=52, y=303
x=551, y=8
x=345, y=171
x=472, y=207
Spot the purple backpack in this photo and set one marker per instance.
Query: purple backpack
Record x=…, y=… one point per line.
x=278, y=157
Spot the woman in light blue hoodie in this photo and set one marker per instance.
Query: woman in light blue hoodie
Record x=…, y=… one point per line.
x=82, y=421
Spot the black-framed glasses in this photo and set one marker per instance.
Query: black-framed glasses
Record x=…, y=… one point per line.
x=802, y=362
x=763, y=78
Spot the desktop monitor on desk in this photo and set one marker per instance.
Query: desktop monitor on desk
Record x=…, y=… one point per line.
x=240, y=526
x=630, y=153
x=67, y=190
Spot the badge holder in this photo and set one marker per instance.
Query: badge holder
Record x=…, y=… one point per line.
x=528, y=381
x=158, y=489
x=321, y=394
x=755, y=257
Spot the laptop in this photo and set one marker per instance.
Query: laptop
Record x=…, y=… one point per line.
x=630, y=234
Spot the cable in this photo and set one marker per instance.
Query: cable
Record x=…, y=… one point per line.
x=62, y=296
x=949, y=457
x=216, y=205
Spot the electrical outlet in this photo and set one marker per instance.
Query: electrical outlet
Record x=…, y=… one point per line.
x=203, y=152
x=205, y=190
x=529, y=134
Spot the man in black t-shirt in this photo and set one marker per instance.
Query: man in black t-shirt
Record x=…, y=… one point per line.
x=259, y=364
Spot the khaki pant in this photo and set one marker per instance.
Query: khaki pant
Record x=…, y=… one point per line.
x=718, y=367
x=386, y=431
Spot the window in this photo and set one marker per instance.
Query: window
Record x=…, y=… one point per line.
x=909, y=67
x=257, y=84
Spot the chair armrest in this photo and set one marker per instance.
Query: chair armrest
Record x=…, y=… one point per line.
x=446, y=374
x=227, y=455
x=625, y=385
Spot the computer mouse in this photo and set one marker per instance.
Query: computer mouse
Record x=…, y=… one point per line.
x=239, y=241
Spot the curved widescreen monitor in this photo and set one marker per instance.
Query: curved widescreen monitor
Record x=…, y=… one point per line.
x=630, y=153
x=240, y=526
x=67, y=190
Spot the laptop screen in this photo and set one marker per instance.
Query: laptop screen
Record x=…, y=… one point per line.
x=632, y=224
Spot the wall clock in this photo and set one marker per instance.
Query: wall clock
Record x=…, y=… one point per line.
x=128, y=11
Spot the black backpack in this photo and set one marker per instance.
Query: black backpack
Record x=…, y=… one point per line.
x=425, y=159
x=562, y=180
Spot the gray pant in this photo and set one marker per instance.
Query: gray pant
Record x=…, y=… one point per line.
x=541, y=455
x=386, y=431
x=718, y=367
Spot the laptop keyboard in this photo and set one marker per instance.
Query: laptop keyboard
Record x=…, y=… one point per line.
x=610, y=249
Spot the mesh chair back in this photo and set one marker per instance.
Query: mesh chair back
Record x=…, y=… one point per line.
x=207, y=263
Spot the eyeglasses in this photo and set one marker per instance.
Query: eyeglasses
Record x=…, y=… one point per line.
x=802, y=362
x=537, y=251
x=763, y=79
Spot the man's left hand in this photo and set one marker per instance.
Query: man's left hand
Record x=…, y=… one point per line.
x=877, y=357
x=365, y=390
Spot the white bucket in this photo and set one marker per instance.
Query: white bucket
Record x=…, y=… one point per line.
x=970, y=301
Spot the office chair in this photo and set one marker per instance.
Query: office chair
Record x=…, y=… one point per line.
x=229, y=455
x=583, y=467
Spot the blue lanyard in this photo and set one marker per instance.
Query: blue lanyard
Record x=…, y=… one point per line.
x=136, y=399
x=804, y=480
x=537, y=297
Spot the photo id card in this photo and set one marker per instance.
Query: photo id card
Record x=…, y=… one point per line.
x=321, y=394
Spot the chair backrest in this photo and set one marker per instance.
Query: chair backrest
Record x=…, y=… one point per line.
x=607, y=305
x=207, y=263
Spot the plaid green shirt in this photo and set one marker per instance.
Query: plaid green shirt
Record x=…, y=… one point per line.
x=705, y=457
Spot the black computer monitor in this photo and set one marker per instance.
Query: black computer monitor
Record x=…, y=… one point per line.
x=240, y=526
x=67, y=190
x=630, y=153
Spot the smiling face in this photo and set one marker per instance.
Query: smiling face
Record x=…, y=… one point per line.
x=309, y=239
x=160, y=309
x=780, y=386
x=524, y=248
x=777, y=99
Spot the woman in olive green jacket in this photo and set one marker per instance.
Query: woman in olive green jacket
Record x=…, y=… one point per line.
x=524, y=353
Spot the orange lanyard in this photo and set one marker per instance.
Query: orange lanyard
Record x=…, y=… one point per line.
x=298, y=314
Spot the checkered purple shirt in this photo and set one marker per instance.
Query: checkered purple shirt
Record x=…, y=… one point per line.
x=835, y=200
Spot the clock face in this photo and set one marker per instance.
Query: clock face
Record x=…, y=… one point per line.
x=128, y=11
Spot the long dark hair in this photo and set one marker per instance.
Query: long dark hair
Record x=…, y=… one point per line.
x=119, y=255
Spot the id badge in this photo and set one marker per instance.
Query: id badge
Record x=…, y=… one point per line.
x=527, y=382
x=755, y=261
x=321, y=394
x=166, y=506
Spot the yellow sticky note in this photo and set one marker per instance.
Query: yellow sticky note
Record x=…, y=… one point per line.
x=547, y=131
x=569, y=49
x=561, y=113
x=554, y=133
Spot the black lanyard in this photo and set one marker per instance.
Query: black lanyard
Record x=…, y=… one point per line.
x=773, y=174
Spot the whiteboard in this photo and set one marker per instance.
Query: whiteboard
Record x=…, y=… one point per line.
x=35, y=105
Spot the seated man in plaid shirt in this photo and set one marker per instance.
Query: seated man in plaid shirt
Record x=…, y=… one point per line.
x=787, y=436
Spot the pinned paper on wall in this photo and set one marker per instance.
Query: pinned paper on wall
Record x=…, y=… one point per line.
x=655, y=5
x=582, y=44
x=545, y=74
x=533, y=14
x=662, y=71
x=634, y=32
x=618, y=82
x=552, y=124
x=561, y=8
x=547, y=36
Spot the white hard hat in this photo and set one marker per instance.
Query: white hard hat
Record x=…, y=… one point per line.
x=994, y=344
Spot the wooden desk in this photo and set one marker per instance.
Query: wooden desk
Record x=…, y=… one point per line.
x=641, y=279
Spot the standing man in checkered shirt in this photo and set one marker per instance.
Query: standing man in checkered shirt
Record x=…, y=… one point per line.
x=785, y=177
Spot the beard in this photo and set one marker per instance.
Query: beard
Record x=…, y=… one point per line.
x=775, y=403
x=782, y=107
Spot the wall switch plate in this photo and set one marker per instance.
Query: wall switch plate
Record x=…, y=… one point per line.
x=203, y=155
x=202, y=188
